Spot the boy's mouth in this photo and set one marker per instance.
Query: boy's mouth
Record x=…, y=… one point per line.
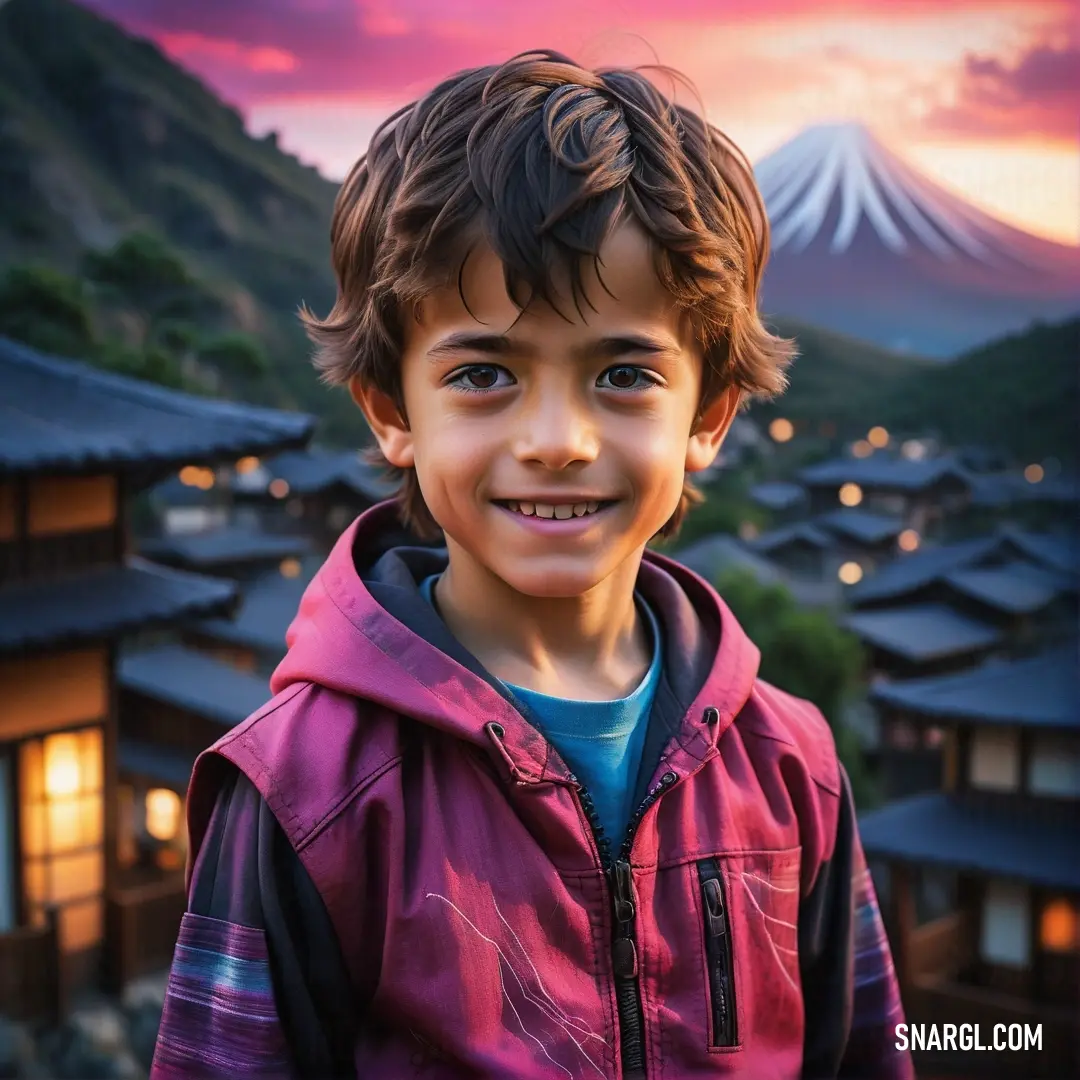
x=556, y=511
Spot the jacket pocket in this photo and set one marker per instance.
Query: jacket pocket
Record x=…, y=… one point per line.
x=716, y=928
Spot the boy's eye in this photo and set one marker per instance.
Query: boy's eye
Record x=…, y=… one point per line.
x=627, y=377
x=477, y=377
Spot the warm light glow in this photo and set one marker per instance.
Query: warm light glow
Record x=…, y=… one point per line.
x=61, y=766
x=878, y=437
x=850, y=573
x=747, y=530
x=1058, y=931
x=279, y=488
x=861, y=449
x=850, y=494
x=781, y=430
x=189, y=475
x=913, y=450
x=162, y=813
x=908, y=540
x=1033, y=474
x=247, y=465
x=290, y=568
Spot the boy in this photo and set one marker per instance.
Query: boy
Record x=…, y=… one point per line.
x=520, y=808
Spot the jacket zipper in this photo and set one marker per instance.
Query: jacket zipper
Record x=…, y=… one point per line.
x=623, y=945
x=718, y=955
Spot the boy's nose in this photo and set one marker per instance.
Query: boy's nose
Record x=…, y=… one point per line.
x=555, y=434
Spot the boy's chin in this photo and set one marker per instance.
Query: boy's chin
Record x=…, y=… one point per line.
x=557, y=579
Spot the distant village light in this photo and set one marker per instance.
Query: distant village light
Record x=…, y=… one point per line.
x=850, y=494
x=279, y=488
x=747, y=530
x=247, y=465
x=781, y=430
x=189, y=475
x=1059, y=929
x=162, y=813
x=908, y=540
x=1033, y=474
x=862, y=449
x=878, y=437
x=62, y=774
x=913, y=450
x=850, y=573
x=290, y=568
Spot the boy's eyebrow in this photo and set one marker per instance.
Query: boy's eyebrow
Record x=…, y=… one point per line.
x=468, y=341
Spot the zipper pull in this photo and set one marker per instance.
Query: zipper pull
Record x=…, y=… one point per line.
x=623, y=883
x=715, y=915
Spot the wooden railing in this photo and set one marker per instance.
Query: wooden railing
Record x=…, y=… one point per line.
x=143, y=923
x=941, y=948
x=30, y=982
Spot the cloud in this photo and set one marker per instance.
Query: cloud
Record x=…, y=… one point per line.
x=1035, y=95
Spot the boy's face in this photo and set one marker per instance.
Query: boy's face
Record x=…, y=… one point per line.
x=550, y=448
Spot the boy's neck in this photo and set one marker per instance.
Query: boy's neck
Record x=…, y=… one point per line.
x=593, y=647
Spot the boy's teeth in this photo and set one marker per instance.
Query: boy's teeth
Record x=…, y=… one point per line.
x=545, y=510
x=593, y=507
x=512, y=504
x=560, y=511
x=526, y=508
x=565, y=511
x=580, y=508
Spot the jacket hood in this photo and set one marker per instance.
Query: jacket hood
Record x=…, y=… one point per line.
x=364, y=629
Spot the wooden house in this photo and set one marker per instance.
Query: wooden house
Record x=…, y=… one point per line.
x=980, y=879
x=76, y=444
x=922, y=494
x=784, y=501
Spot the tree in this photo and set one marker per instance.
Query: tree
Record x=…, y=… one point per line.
x=805, y=653
x=235, y=355
x=47, y=310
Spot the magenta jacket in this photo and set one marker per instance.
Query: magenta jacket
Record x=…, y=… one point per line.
x=394, y=875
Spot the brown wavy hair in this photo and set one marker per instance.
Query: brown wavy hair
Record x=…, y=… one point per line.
x=541, y=159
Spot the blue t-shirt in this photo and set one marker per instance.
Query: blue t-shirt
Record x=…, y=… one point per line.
x=600, y=740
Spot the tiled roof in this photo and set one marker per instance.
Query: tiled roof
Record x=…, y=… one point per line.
x=191, y=680
x=1005, y=489
x=310, y=471
x=714, y=555
x=863, y=526
x=881, y=471
x=1001, y=841
x=801, y=532
x=922, y=632
x=66, y=416
x=778, y=495
x=1016, y=588
x=1056, y=550
x=229, y=544
x=1042, y=690
x=162, y=764
x=268, y=606
x=907, y=573
x=105, y=603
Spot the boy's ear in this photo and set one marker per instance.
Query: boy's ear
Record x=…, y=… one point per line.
x=711, y=430
x=386, y=422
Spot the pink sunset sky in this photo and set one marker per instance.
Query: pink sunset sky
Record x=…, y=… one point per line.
x=982, y=95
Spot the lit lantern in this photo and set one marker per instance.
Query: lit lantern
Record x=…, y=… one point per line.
x=279, y=488
x=1034, y=474
x=290, y=568
x=850, y=494
x=850, y=573
x=878, y=437
x=189, y=475
x=908, y=540
x=247, y=465
x=781, y=430
x=162, y=813
x=1058, y=929
x=862, y=449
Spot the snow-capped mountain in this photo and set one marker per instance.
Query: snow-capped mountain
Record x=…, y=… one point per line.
x=865, y=244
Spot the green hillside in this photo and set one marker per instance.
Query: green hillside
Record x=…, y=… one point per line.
x=1021, y=392
x=102, y=136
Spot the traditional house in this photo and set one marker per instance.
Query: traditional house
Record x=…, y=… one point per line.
x=922, y=494
x=75, y=445
x=785, y=502
x=173, y=703
x=236, y=551
x=317, y=491
x=980, y=879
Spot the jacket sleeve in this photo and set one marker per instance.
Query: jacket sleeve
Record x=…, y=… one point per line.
x=850, y=990
x=258, y=986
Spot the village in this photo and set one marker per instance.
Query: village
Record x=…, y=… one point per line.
x=154, y=547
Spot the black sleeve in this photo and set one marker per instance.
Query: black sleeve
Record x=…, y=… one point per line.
x=826, y=953
x=247, y=872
